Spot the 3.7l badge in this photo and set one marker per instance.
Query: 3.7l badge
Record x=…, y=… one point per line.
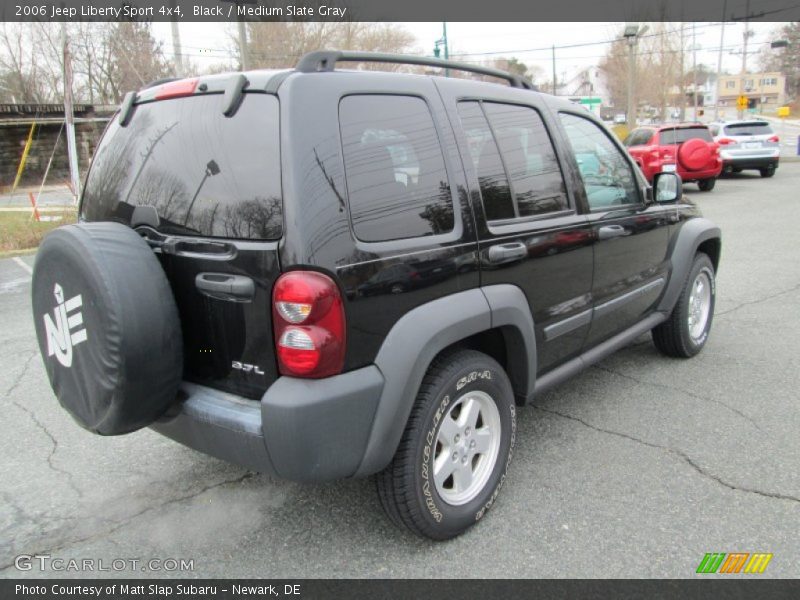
x=240, y=366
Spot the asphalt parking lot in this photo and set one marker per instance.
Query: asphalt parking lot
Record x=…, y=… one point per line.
x=636, y=468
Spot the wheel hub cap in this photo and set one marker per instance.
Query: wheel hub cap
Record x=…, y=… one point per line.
x=699, y=305
x=467, y=445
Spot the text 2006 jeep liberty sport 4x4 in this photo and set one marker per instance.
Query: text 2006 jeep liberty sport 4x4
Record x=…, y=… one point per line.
x=320, y=273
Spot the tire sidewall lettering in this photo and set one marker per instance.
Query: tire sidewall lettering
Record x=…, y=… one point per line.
x=436, y=507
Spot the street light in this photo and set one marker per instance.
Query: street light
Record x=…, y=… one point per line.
x=631, y=33
x=442, y=41
x=212, y=168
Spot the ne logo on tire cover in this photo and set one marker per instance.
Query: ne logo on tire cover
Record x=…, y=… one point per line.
x=61, y=337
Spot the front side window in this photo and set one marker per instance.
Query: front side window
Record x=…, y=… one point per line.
x=517, y=168
x=608, y=178
x=394, y=167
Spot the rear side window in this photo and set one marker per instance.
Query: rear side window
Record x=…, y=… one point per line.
x=394, y=167
x=205, y=174
x=757, y=128
x=639, y=137
x=517, y=168
x=679, y=135
x=495, y=191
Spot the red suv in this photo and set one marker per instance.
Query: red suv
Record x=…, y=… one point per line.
x=687, y=148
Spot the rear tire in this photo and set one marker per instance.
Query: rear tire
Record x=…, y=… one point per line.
x=454, y=455
x=767, y=171
x=706, y=185
x=685, y=332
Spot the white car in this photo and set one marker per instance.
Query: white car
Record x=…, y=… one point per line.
x=747, y=144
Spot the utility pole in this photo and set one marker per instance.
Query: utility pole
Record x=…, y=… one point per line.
x=746, y=34
x=719, y=60
x=682, y=77
x=631, y=34
x=446, y=47
x=694, y=70
x=176, y=45
x=243, y=45
x=69, y=120
x=555, y=86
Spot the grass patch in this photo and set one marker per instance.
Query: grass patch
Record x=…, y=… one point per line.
x=18, y=230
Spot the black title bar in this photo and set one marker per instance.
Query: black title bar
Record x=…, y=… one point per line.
x=392, y=10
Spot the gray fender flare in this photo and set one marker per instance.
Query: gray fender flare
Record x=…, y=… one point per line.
x=682, y=250
x=424, y=332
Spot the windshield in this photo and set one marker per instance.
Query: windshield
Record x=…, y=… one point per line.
x=683, y=134
x=203, y=173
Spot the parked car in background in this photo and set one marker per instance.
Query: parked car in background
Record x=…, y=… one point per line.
x=747, y=144
x=686, y=148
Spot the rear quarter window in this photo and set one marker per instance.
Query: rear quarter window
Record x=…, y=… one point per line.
x=205, y=174
x=397, y=184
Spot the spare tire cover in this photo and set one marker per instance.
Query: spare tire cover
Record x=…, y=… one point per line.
x=694, y=154
x=107, y=326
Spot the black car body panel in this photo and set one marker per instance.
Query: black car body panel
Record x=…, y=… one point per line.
x=547, y=264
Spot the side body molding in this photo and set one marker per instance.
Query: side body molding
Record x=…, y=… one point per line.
x=682, y=249
x=414, y=342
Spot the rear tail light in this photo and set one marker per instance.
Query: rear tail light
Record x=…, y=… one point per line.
x=725, y=141
x=176, y=89
x=774, y=138
x=309, y=324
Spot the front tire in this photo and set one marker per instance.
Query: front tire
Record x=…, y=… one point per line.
x=454, y=454
x=686, y=330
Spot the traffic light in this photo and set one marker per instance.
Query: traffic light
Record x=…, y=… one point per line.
x=436, y=50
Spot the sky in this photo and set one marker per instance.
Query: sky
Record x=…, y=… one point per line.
x=209, y=43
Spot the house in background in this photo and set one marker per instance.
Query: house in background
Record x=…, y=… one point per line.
x=763, y=90
x=589, y=88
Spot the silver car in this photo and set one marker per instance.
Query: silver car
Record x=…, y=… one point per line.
x=747, y=144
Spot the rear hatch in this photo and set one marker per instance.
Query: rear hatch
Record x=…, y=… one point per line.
x=670, y=139
x=748, y=139
x=205, y=190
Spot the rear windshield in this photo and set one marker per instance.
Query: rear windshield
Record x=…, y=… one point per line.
x=683, y=134
x=205, y=174
x=757, y=128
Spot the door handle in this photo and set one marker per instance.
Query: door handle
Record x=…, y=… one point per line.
x=222, y=286
x=611, y=231
x=205, y=249
x=507, y=252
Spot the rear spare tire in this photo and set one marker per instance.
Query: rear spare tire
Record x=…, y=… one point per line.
x=107, y=326
x=694, y=154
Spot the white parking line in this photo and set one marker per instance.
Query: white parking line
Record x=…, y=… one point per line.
x=23, y=264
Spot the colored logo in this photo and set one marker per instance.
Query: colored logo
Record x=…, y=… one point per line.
x=734, y=562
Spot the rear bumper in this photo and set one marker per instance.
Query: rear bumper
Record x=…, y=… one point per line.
x=751, y=162
x=304, y=430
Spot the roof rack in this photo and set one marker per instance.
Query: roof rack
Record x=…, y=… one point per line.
x=325, y=60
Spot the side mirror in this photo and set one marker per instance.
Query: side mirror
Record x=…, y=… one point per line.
x=667, y=187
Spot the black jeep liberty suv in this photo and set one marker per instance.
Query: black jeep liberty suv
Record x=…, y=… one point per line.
x=321, y=273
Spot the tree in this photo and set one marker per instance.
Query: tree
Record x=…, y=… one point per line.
x=658, y=68
x=785, y=60
x=108, y=59
x=281, y=44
